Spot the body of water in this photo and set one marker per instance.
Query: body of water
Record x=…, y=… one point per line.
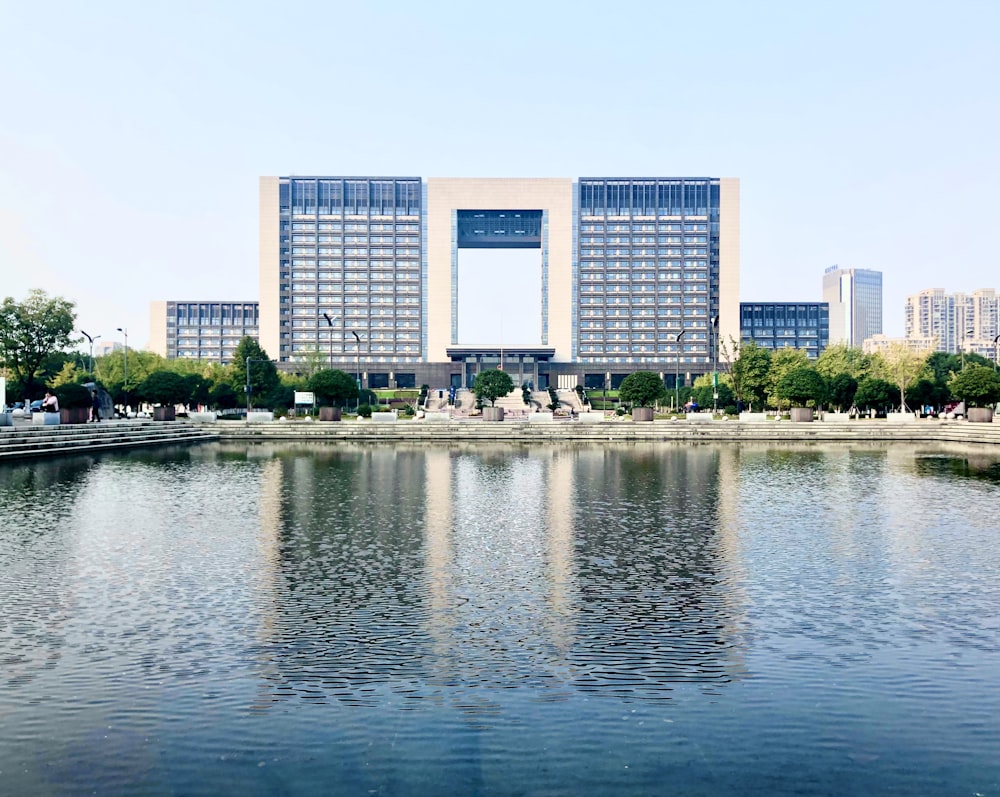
x=490, y=620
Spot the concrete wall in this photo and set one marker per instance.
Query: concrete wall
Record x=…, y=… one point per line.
x=445, y=195
x=158, y=328
x=269, y=333
x=729, y=261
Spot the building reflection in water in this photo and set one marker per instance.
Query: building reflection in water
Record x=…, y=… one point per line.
x=427, y=572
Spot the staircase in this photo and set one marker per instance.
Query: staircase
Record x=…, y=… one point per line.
x=24, y=440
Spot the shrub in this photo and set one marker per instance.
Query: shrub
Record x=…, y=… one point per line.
x=365, y=411
x=73, y=397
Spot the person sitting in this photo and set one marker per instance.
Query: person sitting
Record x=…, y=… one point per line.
x=50, y=403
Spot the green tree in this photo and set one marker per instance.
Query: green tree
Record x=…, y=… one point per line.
x=263, y=372
x=31, y=330
x=799, y=386
x=841, y=390
x=163, y=387
x=843, y=359
x=875, y=394
x=704, y=394
x=927, y=392
x=977, y=385
x=334, y=387
x=747, y=365
x=782, y=362
x=903, y=367
x=492, y=384
x=223, y=396
x=642, y=389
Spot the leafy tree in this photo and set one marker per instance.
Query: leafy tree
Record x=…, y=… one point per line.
x=875, y=394
x=642, y=389
x=263, y=372
x=841, y=390
x=843, y=359
x=748, y=365
x=281, y=397
x=977, y=385
x=223, y=396
x=163, y=387
x=31, y=330
x=927, y=392
x=802, y=385
x=198, y=389
x=902, y=366
x=704, y=394
x=334, y=387
x=68, y=374
x=492, y=384
x=783, y=361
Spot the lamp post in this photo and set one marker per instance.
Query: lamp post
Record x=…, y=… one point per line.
x=91, y=339
x=330, y=321
x=713, y=341
x=968, y=334
x=124, y=331
x=677, y=370
x=357, y=338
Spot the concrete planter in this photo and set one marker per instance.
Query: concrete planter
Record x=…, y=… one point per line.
x=6, y=419
x=74, y=415
x=835, y=417
x=492, y=413
x=642, y=414
x=203, y=417
x=46, y=418
x=164, y=413
x=329, y=413
x=801, y=415
x=901, y=417
x=540, y=417
x=384, y=417
x=979, y=415
x=753, y=417
x=590, y=417
x=260, y=416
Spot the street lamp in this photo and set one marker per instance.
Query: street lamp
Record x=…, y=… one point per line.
x=968, y=334
x=330, y=322
x=358, y=339
x=91, y=339
x=677, y=370
x=713, y=341
x=124, y=331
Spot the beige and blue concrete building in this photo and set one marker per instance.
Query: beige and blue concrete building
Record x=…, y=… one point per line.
x=199, y=330
x=628, y=273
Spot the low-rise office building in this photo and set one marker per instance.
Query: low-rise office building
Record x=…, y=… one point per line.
x=779, y=325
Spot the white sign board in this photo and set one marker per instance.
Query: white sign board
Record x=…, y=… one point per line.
x=304, y=398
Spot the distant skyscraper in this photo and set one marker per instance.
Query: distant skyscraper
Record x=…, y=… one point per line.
x=855, y=299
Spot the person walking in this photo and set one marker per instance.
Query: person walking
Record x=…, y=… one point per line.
x=95, y=407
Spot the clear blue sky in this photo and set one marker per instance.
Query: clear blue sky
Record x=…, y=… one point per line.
x=132, y=134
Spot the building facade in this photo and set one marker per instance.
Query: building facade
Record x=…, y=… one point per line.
x=958, y=321
x=778, y=325
x=855, y=299
x=201, y=330
x=880, y=344
x=632, y=273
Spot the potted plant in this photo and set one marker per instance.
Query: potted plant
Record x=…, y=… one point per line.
x=800, y=386
x=74, y=403
x=979, y=386
x=489, y=386
x=333, y=389
x=165, y=389
x=642, y=389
